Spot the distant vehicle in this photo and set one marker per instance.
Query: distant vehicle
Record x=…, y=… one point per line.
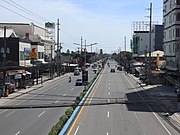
x=79, y=82
x=112, y=70
x=78, y=68
x=119, y=68
x=142, y=77
x=87, y=65
x=95, y=70
x=76, y=72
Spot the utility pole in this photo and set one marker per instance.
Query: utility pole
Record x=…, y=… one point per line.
x=58, y=50
x=81, y=44
x=125, y=43
x=4, y=62
x=85, y=53
x=150, y=22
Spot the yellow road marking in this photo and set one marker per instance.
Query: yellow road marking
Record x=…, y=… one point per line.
x=81, y=110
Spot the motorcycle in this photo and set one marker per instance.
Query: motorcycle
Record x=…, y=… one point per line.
x=69, y=79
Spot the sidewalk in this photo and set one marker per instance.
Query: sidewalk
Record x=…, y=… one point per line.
x=27, y=90
x=165, y=96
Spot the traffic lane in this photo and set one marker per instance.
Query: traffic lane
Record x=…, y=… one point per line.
x=153, y=108
x=135, y=110
x=37, y=121
x=41, y=112
x=127, y=121
x=90, y=112
x=52, y=91
x=47, y=85
x=19, y=120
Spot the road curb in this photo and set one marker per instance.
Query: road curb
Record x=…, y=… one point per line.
x=27, y=92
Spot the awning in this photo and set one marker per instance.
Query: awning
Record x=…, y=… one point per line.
x=14, y=72
x=27, y=73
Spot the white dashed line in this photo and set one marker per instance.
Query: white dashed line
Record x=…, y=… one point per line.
x=17, y=133
x=72, y=89
x=108, y=100
x=64, y=95
x=91, y=98
x=135, y=115
x=107, y=133
x=109, y=93
x=41, y=114
x=3, y=111
x=108, y=114
x=76, y=131
x=9, y=114
x=56, y=101
x=109, y=88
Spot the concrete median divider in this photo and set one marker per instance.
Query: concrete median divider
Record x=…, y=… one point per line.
x=77, y=109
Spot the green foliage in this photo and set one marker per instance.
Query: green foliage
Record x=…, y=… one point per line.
x=69, y=112
x=57, y=128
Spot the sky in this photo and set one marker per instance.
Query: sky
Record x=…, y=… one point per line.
x=106, y=22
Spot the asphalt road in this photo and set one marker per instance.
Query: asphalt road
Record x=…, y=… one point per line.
x=38, y=121
x=105, y=115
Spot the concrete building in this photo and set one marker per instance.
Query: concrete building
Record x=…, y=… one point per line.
x=157, y=37
x=171, y=20
x=140, y=42
x=39, y=38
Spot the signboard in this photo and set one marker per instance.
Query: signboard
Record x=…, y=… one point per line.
x=33, y=54
x=18, y=76
x=28, y=50
x=50, y=25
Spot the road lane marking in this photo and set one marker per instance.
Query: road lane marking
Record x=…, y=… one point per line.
x=109, y=84
x=76, y=131
x=18, y=133
x=107, y=133
x=92, y=97
x=109, y=93
x=64, y=95
x=41, y=114
x=3, y=111
x=135, y=115
x=108, y=100
x=109, y=88
x=149, y=107
x=72, y=89
x=56, y=101
x=9, y=114
x=81, y=110
x=108, y=114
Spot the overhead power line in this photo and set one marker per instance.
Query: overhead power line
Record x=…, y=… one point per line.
x=27, y=11
x=20, y=15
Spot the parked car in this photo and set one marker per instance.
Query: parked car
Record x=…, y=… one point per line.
x=79, y=82
x=142, y=77
x=112, y=70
